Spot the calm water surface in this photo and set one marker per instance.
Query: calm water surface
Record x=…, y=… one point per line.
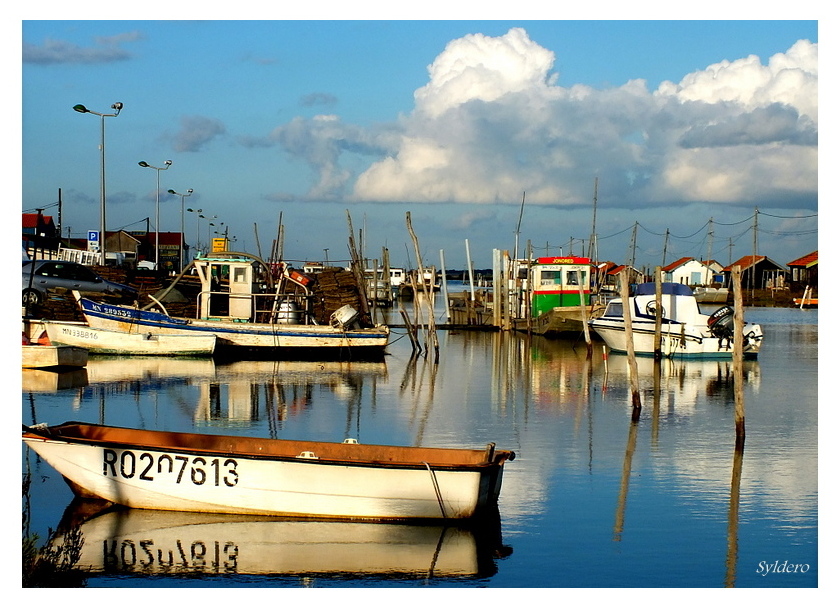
x=592, y=499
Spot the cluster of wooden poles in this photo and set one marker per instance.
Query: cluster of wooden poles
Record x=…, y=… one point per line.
x=737, y=346
x=431, y=339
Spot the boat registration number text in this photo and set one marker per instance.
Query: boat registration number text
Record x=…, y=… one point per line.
x=84, y=334
x=146, y=466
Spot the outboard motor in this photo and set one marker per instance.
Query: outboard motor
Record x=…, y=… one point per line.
x=721, y=322
x=343, y=318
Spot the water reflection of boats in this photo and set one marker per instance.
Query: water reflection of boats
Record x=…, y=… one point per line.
x=242, y=389
x=299, y=371
x=137, y=368
x=146, y=542
x=688, y=379
x=38, y=380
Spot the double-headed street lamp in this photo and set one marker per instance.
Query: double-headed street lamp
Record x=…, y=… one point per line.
x=145, y=165
x=198, y=216
x=117, y=107
x=182, y=228
x=209, y=226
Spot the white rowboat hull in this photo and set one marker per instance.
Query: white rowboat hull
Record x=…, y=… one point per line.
x=103, y=341
x=197, y=480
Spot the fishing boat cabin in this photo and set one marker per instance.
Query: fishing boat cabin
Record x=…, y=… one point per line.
x=241, y=288
x=559, y=282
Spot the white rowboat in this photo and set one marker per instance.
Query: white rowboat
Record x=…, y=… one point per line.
x=148, y=343
x=234, y=474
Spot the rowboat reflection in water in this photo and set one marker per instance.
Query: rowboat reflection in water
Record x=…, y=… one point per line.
x=147, y=542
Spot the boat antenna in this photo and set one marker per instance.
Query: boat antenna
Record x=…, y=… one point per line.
x=519, y=221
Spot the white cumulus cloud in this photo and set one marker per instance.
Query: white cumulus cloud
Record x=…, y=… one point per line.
x=493, y=121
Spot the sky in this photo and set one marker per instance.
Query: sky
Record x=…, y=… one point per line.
x=694, y=138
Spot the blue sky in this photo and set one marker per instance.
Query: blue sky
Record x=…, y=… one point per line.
x=452, y=121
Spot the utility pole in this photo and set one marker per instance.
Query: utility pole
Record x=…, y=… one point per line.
x=711, y=236
x=592, y=251
x=755, y=251
x=59, y=217
x=632, y=254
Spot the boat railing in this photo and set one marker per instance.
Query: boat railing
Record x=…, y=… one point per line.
x=268, y=308
x=283, y=308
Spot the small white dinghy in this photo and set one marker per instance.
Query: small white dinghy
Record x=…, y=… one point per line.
x=147, y=343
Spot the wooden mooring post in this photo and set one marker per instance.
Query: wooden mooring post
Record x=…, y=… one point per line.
x=583, y=305
x=624, y=292
x=658, y=313
x=738, y=356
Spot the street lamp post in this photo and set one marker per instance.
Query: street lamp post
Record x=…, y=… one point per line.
x=145, y=165
x=182, y=227
x=197, y=213
x=209, y=226
x=117, y=107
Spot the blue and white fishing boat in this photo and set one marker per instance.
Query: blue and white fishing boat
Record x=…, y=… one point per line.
x=234, y=306
x=685, y=331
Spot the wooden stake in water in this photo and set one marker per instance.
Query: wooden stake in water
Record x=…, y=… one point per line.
x=738, y=355
x=629, y=341
x=658, y=313
x=583, y=305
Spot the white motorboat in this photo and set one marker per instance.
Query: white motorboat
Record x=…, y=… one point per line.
x=685, y=331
